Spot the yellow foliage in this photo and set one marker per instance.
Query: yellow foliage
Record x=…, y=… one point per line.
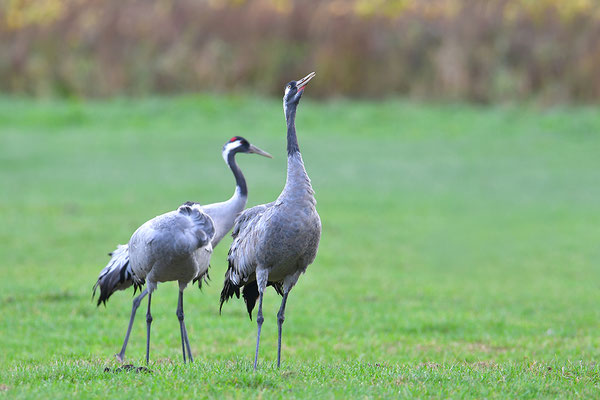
x=282, y=6
x=24, y=13
x=537, y=9
x=382, y=8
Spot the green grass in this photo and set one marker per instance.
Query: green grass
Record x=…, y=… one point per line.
x=459, y=257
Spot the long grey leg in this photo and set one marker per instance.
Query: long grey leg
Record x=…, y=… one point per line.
x=136, y=303
x=259, y=321
x=185, y=342
x=280, y=319
x=148, y=323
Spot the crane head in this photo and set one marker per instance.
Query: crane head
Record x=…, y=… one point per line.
x=238, y=144
x=294, y=90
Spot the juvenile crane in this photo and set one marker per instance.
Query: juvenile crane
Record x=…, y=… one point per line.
x=119, y=273
x=274, y=243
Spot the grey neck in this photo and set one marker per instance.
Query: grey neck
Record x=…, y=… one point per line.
x=225, y=213
x=297, y=185
x=237, y=173
x=292, y=139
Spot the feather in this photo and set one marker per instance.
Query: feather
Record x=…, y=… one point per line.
x=117, y=275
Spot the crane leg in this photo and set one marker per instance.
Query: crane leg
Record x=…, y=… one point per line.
x=185, y=342
x=280, y=319
x=136, y=303
x=259, y=321
x=148, y=323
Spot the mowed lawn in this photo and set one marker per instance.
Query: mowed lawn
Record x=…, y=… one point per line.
x=460, y=254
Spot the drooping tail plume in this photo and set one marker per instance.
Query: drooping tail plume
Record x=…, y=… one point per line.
x=230, y=288
x=117, y=275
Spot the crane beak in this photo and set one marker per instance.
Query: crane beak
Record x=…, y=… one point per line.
x=256, y=150
x=301, y=83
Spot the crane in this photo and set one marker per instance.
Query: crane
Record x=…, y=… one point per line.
x=119, y=274
x=274, y=243
x=171, y=247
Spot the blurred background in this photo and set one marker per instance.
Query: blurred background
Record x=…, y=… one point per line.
x=453, y=147
x=479, y=51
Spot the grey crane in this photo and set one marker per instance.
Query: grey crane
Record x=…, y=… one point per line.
x=274, y=243
x=119, y=274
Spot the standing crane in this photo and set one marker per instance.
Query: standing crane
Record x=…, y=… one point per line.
x=274, y=243
x=171, y=247
x=119, y=273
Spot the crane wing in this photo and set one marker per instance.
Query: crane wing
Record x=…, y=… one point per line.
x=242, y=253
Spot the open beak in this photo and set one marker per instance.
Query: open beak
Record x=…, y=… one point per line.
x=256, y=150
x=301, y=83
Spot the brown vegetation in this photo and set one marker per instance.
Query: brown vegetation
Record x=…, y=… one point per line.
x=478, y=50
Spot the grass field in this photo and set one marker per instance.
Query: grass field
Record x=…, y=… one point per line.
x=459, y=257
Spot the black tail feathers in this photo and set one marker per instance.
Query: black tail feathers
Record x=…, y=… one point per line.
x=202, y=279
x=229, y=290
x=249, y=293
x=117, y=275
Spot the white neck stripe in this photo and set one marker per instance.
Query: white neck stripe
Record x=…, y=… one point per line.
x=228, y=147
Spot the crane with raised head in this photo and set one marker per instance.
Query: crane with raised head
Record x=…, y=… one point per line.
x=119, y=273
x=274, y=243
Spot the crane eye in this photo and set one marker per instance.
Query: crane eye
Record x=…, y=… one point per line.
x=289, y=86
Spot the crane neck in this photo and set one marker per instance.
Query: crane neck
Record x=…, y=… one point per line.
x=240, y=181
x=292, y=139
x=225, y=213
x=297, y=184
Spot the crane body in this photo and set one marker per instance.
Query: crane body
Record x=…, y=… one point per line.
x=274, y=243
